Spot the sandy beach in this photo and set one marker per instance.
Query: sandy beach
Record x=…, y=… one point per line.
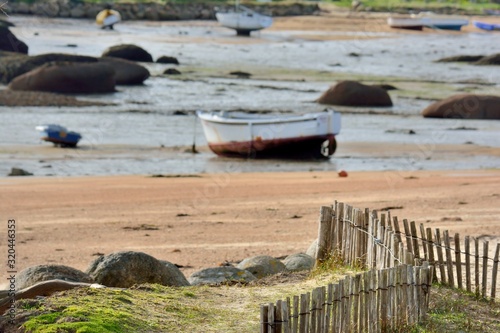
x=198, y=219
x=201, y=221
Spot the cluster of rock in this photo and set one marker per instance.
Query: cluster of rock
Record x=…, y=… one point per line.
x=153, y=11
x=66, y=73
x=127, y=268
x=462, y=106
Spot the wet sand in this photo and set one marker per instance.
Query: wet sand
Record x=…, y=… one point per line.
x=291, y=64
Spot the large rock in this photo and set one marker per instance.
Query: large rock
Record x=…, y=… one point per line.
x=126, y=268
x=32, y=275
x=12, y=66
x=489, y=60
x=126, y=72
x=167, y=60
x=299, y=262
x=313, y=249
x=9, y=42
x=217, y=275
x=67, y=78
x=129, y=52
x=261, y=266
x=176, y=277
x=465, y=106
x=19, y=172
x=352, y=93
x=461, y=58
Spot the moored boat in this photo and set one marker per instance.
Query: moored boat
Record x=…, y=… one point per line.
x=243, y=20
x=486, y=26
x=444, y=23
x=428, y=20
x=237, y=134
x=410, y=23
x=58, y=135
x=107, y=18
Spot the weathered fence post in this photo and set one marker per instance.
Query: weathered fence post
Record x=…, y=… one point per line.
x=494, y=273
x=264, y=325
x=449, y=260
x=485, y=268
x=304, y=314
x=325, y=220
x=278, y=319
x=458, y=261
x=295, y=319
x=468, y=283
x=270, y=318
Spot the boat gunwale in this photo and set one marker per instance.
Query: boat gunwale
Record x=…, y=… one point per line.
x=214, y=118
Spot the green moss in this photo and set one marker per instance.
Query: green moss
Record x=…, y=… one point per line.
x=155, y=308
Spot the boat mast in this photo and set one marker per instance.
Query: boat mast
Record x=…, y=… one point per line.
x=236, y=5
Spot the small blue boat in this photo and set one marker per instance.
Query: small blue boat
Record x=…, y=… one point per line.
x=486, y=26
x=58, y=135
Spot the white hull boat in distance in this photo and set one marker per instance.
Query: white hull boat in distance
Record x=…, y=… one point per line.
x=107, y=18
x=428, y=20
x=243, y=20
x=444, y=23
x=239, y=134
x=410, y=23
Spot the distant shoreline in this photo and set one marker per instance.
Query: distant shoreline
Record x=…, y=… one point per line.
x=150, y=11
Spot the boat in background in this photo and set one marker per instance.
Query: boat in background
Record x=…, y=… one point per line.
x=243, y=20
x=58, y=135
x=486, y=26
x=239, y=134
x=444, y=23
x=409, y=23
x=107, y=18
x=428, y=20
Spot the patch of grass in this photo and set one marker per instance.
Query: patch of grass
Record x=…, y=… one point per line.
x=453, y=310
x=334, y=264
x=154, y=308
x=423, y=5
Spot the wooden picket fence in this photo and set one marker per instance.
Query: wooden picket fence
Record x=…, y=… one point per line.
x=401, y=265
x=373, y=301
x=367, y=240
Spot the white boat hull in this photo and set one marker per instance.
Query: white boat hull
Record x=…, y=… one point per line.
x=256, y=136
x=444, y=23
x=405, y=23
x=244, y=22
x=418, y=23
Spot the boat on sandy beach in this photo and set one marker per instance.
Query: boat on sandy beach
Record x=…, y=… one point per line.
x=243, y=20
x=486, y=26
x=107, y=18
x=444, y=23
x=58, y=135
x=410, y=23
x=238, y=134
x=428, y=20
